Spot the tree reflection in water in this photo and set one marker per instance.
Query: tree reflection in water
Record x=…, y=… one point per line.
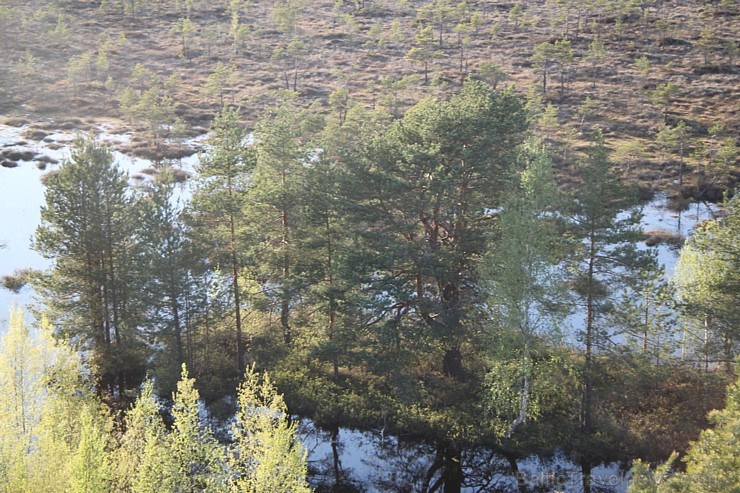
x=349, y=461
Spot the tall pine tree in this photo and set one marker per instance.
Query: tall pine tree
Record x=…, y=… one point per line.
x=428, y=185
x=216, y=210
x=167, y=255
x=606, y=226
x=276, y=205
x=91, y=291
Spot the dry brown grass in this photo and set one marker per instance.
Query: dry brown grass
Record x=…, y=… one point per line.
x=662, y=236
x=340, y=57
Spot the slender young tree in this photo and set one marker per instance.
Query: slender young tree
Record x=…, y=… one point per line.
x=138, y=459
x=184, y=28
x=544, y=56
x=289, y=58
x=186, y=459
x=441, y=14
x=22, y=365
x=424, y=49
x=219, y=82
x=267, y=455
x=197, y=457
x=334, y=267
x=215, y=212
x=44, y=445
x=166, y=253
x=276, y=204
x=675, y=140
x=523, y=283
x=90, y=464
x=607, y=226
x=596, y=53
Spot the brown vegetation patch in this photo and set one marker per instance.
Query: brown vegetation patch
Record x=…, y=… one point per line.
x=339, y=55
x=47, y=160
x=47, y=176
x=15, y=155
x=645, y=194
x=716, y=69
x=17, y=280
x=15, y=121
x=663, y=237
x=180, y=176
x=71, y=124
x=678, y=203
x=35, y=134
x=178, y=152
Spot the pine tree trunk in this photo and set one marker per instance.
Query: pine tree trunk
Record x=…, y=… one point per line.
x=586, y=476
x=285, y=302
x=237, y=297
x=453, y=471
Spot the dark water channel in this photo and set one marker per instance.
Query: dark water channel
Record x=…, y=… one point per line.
x=347, y=461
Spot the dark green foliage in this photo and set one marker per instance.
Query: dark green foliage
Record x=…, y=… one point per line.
x=606, y=258
x=429, y=181
x=411, y=275
x=215, y=213
x=275, y=207
x=92, y=293
x=169, y=265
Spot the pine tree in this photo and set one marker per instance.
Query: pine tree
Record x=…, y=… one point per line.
x=607, y=225
x=184, y=28
x=423, y=50
x=441, y=14
x=427, y=184
x=333, y=264
x=275, y=205
x=88, y=229
x=215, y=213
x=220, y=80
x=543, y=57
x=290, y=57
x=166, y=253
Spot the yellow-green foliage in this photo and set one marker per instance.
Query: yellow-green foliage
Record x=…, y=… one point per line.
x=44, y=445
x=267, y=454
